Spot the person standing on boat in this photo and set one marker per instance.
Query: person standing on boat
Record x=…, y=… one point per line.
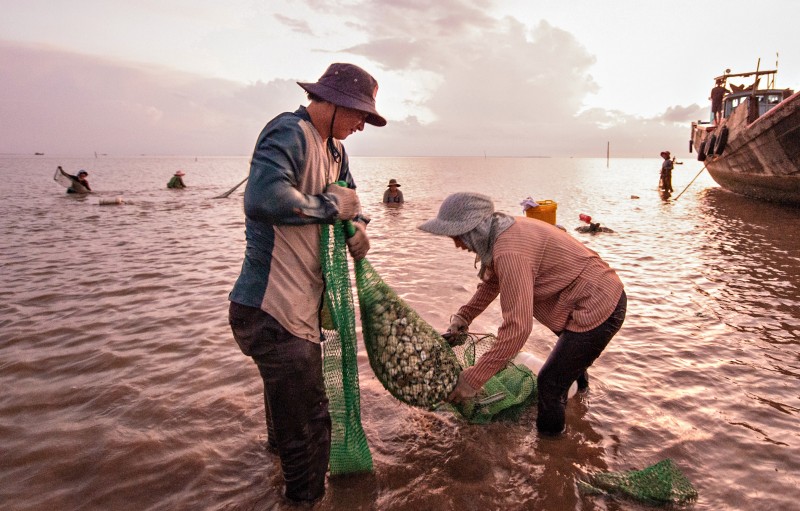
x=666, y=172
x=275, y=303
x=541, y=272
x=717, y=93
x=393, y=195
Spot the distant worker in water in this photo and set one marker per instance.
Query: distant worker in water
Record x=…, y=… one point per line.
x=665, y=183
x=177, y=180
x=592, y=227
x=717, y=93
x=393, y=193
x=79, y=183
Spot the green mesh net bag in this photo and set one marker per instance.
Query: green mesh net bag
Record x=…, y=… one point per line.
x=349, y=449
x=506, y=395
x=410, y=359
x=418, y=366
x=659, y=485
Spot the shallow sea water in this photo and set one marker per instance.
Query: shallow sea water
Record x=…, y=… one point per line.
x=123, y=387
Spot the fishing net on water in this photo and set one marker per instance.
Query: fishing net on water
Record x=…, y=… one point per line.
x=660, y=484
x=349, y=449
x=419, y=367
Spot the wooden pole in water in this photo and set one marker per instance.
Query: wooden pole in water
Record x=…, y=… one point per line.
x=690, y=184
x=223, y=195
x=608, y=152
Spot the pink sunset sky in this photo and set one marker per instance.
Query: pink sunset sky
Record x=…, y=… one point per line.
x=457, y=77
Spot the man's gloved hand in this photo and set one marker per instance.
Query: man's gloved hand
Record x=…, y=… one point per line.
x=358, y=243
x=462, y=392
x=346, y=201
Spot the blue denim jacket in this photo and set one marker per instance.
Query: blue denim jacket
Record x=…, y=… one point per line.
x=284, y=206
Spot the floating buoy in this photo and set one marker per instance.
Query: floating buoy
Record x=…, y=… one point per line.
x=112, y=202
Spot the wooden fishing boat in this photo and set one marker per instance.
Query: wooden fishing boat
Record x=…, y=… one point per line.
x=755, y=149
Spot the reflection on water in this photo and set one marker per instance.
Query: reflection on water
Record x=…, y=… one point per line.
x=754, y=252
x=125, y=390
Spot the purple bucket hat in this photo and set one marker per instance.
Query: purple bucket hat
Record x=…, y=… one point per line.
x=349, y=86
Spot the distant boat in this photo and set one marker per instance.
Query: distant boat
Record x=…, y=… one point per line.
x=755, y=149
x=38, y=154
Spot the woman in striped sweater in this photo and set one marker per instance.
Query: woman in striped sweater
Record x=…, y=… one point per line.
x=539, y=272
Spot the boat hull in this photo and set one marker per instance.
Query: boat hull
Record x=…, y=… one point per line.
x=761, y=159
x=784, y=189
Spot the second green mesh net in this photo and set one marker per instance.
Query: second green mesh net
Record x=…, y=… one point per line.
x=660, y=484
x=350, y=452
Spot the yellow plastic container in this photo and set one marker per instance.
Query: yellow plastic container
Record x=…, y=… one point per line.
x=546, y=211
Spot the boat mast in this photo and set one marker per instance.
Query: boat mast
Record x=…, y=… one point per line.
x=772, y=86
x=755, y=80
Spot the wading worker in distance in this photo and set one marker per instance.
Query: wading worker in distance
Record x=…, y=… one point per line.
x=176, y=181
x=80, y=182
x=665, y=181
x=393, y=195
x=541, y=272
x=275, y=304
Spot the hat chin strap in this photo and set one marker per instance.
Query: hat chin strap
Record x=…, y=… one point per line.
x=337, y=156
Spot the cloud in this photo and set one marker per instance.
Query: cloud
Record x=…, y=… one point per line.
x=299, y=26
x=495, y=86
x=66, y=103
x=685, y=114
x=490, y=85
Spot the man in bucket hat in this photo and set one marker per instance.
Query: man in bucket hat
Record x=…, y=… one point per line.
x=276, y=301
x=393, y=195
x=538, y=271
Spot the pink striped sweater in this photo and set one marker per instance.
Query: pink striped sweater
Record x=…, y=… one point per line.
x=540, y=272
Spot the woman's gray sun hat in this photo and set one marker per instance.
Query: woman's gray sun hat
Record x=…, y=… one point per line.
x=349, y=86
x=459, y=213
